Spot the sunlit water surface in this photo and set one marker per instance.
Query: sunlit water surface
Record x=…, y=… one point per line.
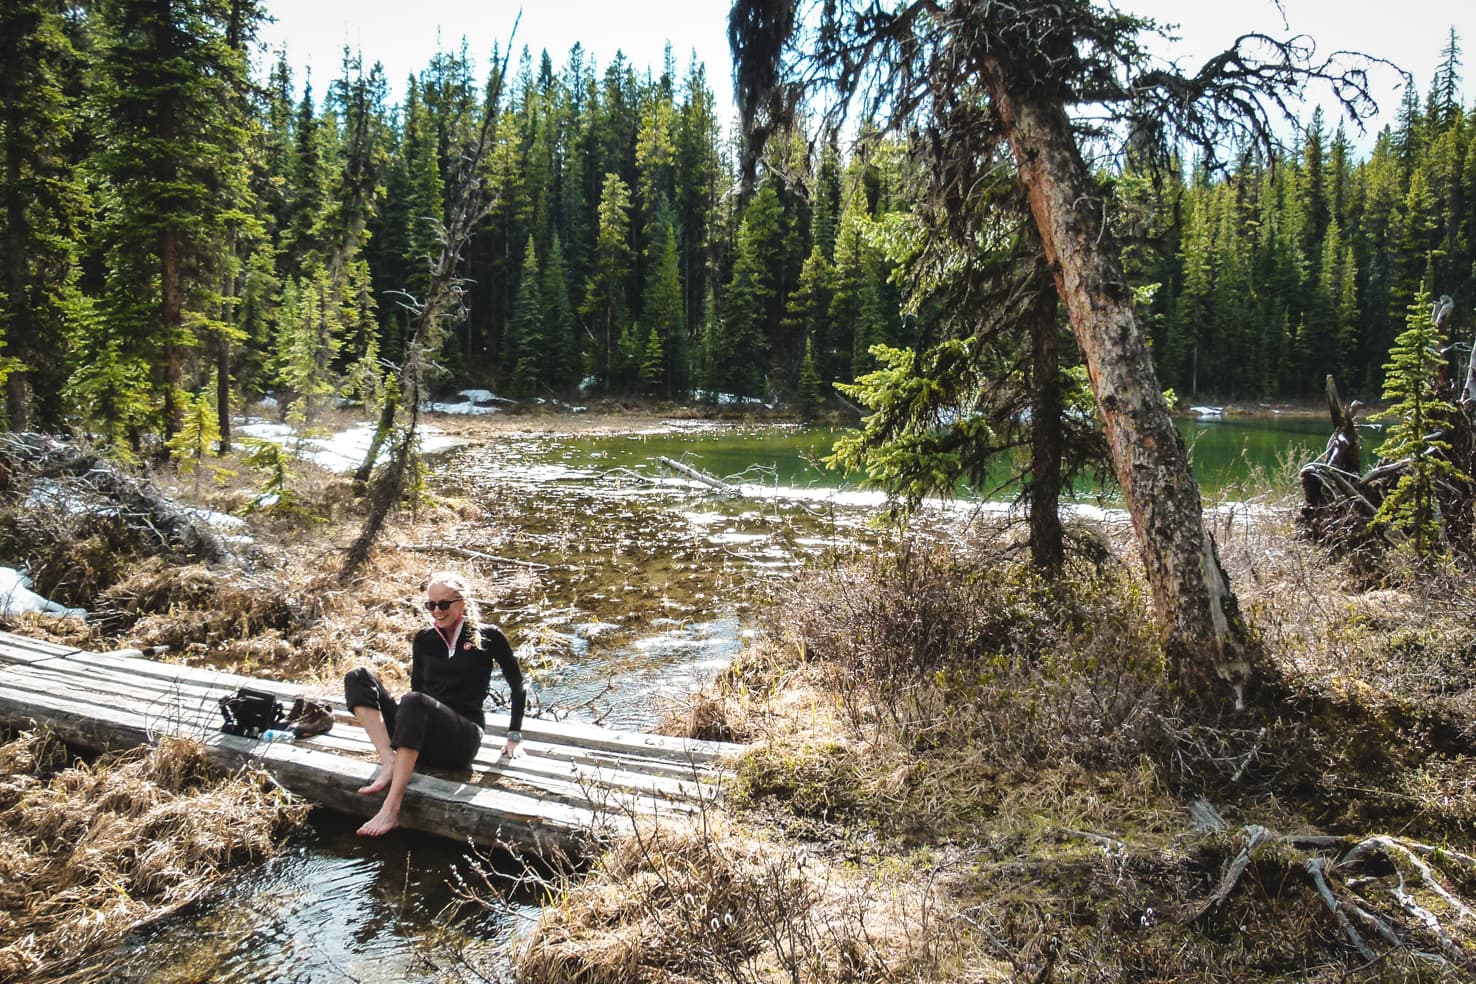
x=632, y=585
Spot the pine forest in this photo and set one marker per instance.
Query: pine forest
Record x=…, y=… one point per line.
x=186, y=226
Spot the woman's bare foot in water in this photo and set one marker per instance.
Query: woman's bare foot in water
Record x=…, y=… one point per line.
x=381, y=823
x=379, y=783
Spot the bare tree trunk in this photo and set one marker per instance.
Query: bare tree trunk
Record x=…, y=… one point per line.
x=443, y=296
x=1047, y=438
x=1205, y=637
x=172, y=316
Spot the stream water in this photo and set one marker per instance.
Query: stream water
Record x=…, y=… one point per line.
x=643, y=590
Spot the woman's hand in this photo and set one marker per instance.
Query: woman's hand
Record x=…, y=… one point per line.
x=511, y=749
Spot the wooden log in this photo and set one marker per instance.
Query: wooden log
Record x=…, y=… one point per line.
x=467, y=554
x=432, y=804
x=192, y=711
x=697, y=476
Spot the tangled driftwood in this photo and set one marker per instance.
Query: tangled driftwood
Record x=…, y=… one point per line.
x=1381, y=891
x=175, y=529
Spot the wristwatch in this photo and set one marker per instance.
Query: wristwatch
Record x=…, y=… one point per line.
x=514, y=736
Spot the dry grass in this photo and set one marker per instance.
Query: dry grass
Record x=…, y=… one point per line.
x=88, y=851
x=701, y=903
x=1008, y=756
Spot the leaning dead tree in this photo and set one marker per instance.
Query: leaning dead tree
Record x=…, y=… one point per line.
x=443, y=299
x=1027, y=76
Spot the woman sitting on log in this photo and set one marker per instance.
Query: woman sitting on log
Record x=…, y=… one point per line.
x=439, y=723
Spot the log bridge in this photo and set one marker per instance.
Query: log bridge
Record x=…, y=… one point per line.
x=577, y=785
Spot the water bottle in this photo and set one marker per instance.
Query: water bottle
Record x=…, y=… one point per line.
x=277, y=734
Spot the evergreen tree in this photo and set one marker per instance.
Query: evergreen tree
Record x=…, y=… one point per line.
x=754, y=303
x=825, y=209
x=738, y=352
x=303, y=246
x=653, y=364
x=1444, y=103
x=839, y=359
x=163, y=98
x=662, y=315
x=1419, y=421
x=43, y=208
x=604, y=294
x=811, y=389
x=698, y=173
x=309, y=335
x=526, y=340
x=196, y=439
x=563, y=362
x=358, y=103
x=806, y=307
x=363, y=376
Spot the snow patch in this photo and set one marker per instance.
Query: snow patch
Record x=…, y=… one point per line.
x=342, y=452
x=17, y=597
x=474, y=402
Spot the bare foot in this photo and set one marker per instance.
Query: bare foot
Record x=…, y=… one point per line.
x=380, y=782
x=381, y=823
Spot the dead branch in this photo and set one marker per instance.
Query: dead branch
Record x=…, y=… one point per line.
x=716, y=484
x=1317, y=869
x=1255, y=836
x=1352, y=879
x=443, y=298
x=467, y=554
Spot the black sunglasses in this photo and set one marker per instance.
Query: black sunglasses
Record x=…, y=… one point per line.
x=443, y=604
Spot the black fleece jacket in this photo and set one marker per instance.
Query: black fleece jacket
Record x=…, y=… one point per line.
x=461, y=679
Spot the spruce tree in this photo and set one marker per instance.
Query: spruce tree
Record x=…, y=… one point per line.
x=805, y=309
x=1420, y=420
x=811, y=389
x=653, y=364
x=604, y=293
x=309, y=335
x=43, y=209
x=564, y=363
x=168, y=139
x=698, y=173
x=303, y=245
x=737, y=350
x=525, y=346
x=195, y=440
x=662, y=314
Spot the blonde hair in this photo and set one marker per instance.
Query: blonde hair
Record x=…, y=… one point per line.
x=471, y=612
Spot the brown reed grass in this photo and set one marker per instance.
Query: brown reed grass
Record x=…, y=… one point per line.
x=91, y=850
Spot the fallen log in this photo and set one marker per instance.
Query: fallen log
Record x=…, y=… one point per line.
x=713, y=483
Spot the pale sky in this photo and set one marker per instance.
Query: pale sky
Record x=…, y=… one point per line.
x=404, y=36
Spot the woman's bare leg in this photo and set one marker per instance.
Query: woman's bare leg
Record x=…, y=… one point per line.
x=388, y=817
x=372, y=722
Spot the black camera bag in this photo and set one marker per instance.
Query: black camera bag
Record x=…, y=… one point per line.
x=249, y=712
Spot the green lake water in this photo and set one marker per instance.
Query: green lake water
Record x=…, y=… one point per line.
x=1227, y=453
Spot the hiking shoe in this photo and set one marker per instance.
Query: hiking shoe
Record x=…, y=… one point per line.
x=295, y=713
x=315, y=718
